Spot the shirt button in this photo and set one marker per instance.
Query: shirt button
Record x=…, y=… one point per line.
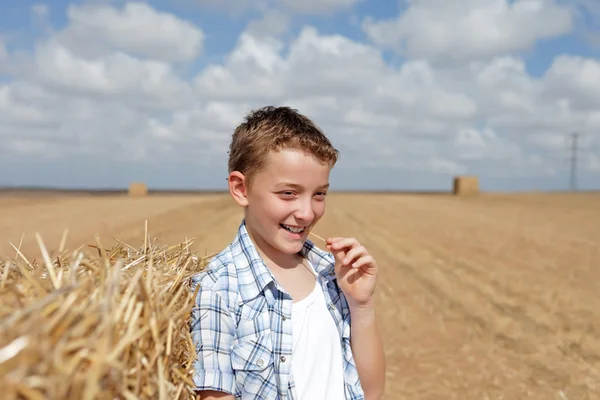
x=331, y=306
x=282, y=358
x=260, y=362
x=284, y=317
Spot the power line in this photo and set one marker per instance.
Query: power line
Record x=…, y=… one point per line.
x=574, y=150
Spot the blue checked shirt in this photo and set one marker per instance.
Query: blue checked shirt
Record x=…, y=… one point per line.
x=241, y=324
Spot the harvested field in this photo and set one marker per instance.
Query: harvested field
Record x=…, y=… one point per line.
x=488, y=297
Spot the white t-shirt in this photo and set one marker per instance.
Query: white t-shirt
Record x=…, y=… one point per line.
x=317, y=360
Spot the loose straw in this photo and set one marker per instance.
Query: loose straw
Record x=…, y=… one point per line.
x=111, y=323
x=318, y=237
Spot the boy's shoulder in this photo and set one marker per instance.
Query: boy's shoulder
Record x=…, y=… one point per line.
x=221, y=267
x=235, y=274
x=219, y=276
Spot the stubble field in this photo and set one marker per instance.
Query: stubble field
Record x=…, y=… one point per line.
x=495, y=297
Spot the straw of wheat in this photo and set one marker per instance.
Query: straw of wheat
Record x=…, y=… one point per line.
x=98, y=323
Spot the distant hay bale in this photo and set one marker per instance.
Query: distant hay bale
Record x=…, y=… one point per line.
x=111, y=324
x=466, y=185
x=137, y=189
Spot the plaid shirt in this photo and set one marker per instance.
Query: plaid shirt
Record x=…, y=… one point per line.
x=241, y=324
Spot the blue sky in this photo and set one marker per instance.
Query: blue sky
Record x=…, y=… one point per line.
x=99, y=93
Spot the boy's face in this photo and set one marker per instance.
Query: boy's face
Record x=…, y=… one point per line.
x=285, y=200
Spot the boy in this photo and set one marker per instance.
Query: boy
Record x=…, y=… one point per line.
x=272, y=315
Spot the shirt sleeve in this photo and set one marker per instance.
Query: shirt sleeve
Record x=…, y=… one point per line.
x=212, y=331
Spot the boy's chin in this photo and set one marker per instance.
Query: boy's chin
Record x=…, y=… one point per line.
x=289, y=248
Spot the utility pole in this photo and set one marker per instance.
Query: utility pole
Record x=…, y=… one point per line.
x=573, y=181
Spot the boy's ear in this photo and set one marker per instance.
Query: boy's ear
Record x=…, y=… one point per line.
x=237, y=188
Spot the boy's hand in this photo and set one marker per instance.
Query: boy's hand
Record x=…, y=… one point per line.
x=355, y=269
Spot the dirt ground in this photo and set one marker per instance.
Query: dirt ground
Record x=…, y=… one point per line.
x=495, y=297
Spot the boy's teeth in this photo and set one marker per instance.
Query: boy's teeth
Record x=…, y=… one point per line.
x=292, y=229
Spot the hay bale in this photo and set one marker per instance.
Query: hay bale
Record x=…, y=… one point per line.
x=113, y=323
x=137, y=189
x=466, y=186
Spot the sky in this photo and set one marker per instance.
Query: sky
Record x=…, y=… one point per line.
x=97, y=94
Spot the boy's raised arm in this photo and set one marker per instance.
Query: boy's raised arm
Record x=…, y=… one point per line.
x=213, y=330
x=357, y=274
x=367, y=348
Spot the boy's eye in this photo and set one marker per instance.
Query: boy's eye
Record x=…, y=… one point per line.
x=288, y=193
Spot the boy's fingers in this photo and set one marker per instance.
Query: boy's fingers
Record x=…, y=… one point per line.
x=354, y=253
x=342, y=243
x=363, y=261
x=340, y=255
x=345, y=250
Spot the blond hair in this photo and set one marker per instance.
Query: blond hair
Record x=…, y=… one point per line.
x=273, y=129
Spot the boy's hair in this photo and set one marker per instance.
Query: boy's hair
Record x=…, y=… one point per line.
x=272, y=129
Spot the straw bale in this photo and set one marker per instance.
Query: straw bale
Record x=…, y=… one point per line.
x=138, y=189
x=466, y=185
x=98, y=323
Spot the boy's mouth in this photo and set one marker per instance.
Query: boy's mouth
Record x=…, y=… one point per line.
x=292, y=229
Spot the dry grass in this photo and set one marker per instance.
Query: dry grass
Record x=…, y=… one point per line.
x=106, y=323
x=486, y=297
x=490, y=297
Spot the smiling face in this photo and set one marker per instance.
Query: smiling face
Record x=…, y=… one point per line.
x=286, y=198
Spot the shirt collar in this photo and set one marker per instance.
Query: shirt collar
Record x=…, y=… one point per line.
x=322, y=261
x=254, y=273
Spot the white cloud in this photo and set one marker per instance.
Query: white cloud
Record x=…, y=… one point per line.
x=306, y=7
x=274, y=17
x=85, y=126
x=15, y=112
x=462, y=30
x=118, y=77
x=487, y=116
x=40, y=10
x=593, y=163
x=135, y=28
x=4, y=58
x=250, y=72
x=440, y=165
x=273, y=22
x=318, y=6
x=484, y=145
x=576, y=79
x=588, y=20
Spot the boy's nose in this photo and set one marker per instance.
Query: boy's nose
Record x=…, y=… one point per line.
x=305, y=212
